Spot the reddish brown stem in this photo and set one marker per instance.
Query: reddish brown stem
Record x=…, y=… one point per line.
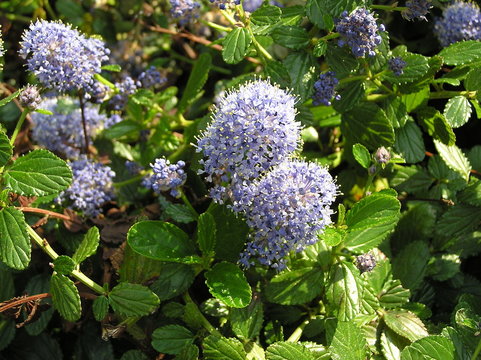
x=23, y=300
x=47, y=212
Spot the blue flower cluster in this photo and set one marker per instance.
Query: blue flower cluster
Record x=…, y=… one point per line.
x=460, y=21
x=225, y=4
x=30, y=97
x=126, y=88
x=325, y=89
x=286, y=208
x=133, y=167
x=184, y=10
x=62, y=58
x=396, y=65
x=150, y=78
x=63, y=131
x=252, y=129
x=416, y=9
x=92, y=186
x=359, y=31
x=166, y=177
x=251, y=5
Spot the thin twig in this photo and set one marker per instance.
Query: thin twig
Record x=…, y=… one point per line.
x=47, y=212
x=22, y=300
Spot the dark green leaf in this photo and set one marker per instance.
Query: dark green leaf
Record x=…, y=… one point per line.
x=340, y=60
x=236, y=44
x=292, y=37
x=134, y=355
x=266, y=15
x=410, y=265
x=65, y=297
x=170, y=339
x=228, y=284
x=361, y=154
x=288, y=351
x=100, y=307
x=133, y=299
x=39, y=284
x=15, y=245
x=9, y=98
x=344, y=291
x=122, y=128
x=38, y=173
x=463, y=52
x=472, y=193
x=180, y=213
x=409, y=142
x=351, y=93
x=197, y=79
x=189, y=352
x=6, y=150
x=443, y=267
x=64, y=265
x=7, y=332
x=206, y=233
x=320, y=49
x=221, y=348
x=428, y=348
x=301, y=67
x=457, y=111
x=246, y=323
x=88, y=246
x=454, y=158
x=278, y=73
x=132, y=262
x=174, y=279
x=295, y=287
x=348, y=342
x=436, y=125
x=458, y=220
x=318, y=15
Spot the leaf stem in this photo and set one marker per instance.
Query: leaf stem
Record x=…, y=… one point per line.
x=19, y=125
x=188, y=204
x=388, y=7
x=297, y=333
x=449, y=94
x=476, y=351
x=207, y=325
x=131, y=180
x=216, y=26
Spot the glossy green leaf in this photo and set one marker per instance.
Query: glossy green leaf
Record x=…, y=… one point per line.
x=430, y=348
x=100, y=307
x=39, y=173
x=64, y=265
x=288, y=351
x=6, y=150
x=344, y=291
x=170, y=339
x=295, y=287
x=454, y=158
x=340, y=60
x=362, y=155
x=292, y=37
x=416, y=67
x=236, y=44
x=410, y=264
x=266, y=15
x=348, y=342
x=301, y=67
x=406, y=324
x=247, y=322
x=197, y=79
x=409, y=142
x=463, y=52
x=221, y=348
x=206, y=233
x=351, y=94
x=457, y=111
x=65, y=297
x=133, y=299
x=88, y=246
x=15, y=247
x=174, y=279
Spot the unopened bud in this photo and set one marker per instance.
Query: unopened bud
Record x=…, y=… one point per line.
x=30, y=97
x=365, y=262
x=382, y=155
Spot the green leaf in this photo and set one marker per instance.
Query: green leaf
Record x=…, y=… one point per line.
x=288, y=351
x=344, y=291
x=295, y=287
x=100, y=307
x=292, y=37
x=122, y=128
x=370, y=221
x=444, y=267
x=6, y=150
x=236, y=44
x=454, y=158
x=332, y=236
x=9, y=98
x=15, y=247
x=406, y=324
x=348, y=342
x=246, y=323
x=409, y=142
x=43, y=111
x=361, y=154
x=266, y=15
x=189, y=352
x=88, y=246
x=368, y=125
x=393, y=295
x=206, y=233
x=221, y=348
x=458, y=220
x=174, y=279
x=112, y=67
x=436, y=125
x=134, y=355
x=133, y=299
x=351, y=93
x=336, y=7
x=416, y=67
x=160, y=241
x=457, y=111
x=301, y=67
x=415, y=100
x=430, y=348
x=7, y=332
x=180, y=213
x=197, y=79
x=65, y=297
x=132, y=262
x=227, y=283
x=318, y=15
x=472, y=193
x=410, y=264
x=39, y=284
x=392, y=344
x=38, y=173
x=170, y=339
x=340, y=60
x=463, y=52
x=64, y=265
x=278, y=73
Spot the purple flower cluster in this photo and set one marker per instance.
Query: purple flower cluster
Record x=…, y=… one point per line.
x=166, y=177
x=286, y=208
x=30, y=97
x=252, y=129
x=396, y=65
x=126, y=88
x=416, y=9
x=225, y=4
x=365, y=263
x=62, y=58
x=359, y=31
x=325, y=89
x=91, y=187
x=150, y=78
x=460, y=21
x=184, y=10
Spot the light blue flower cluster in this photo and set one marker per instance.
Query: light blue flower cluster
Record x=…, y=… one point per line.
x=62, y=58
x=184, y=10
x=30, y=97
x=359, y=31
x=396, y=65
x=325, y=89
x=251, y=5
x=166, y=177
x=286, y=208
x=460, y=21
x=126, y=88
x=416, y=9
x=225, y=4
x=2, y=49
x=252, y=129
x=92, y=186
x=150, y=78
x=63, y=131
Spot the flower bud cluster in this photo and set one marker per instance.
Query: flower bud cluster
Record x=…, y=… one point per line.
x=325, y=89
x=396, y=65
x=30, y=97
x=166, y=177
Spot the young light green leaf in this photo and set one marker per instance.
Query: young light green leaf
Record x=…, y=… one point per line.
x=430, y=347
x=409, y=142
x=64, y=265
x=88, y=246
x=348, y=342
x=246, y=323
x=39, y=173
x=171, y=339
x=361, y=154
x=6, y=150
x=133, y=299
x=197, y=79
x=406, y=324
x=454, y=158
x=221, y=348
x=457, y=111
x=9, y=98
x=112, y=67
x=344, y=291
x=295, y=287
x=15, y=247
x=463, y=52
x=236, y=44
x=227, y=283
x=65, y=297
x=288, y=351
x=100, y=307
x=206, y=233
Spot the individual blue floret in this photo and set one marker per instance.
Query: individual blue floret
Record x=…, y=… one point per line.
x=184, y=10
x=252, y=129
x=396, y=65
x=62, y=58
x=359, y=31
x=92, y=186
x=460, y=21
x=166, y=177
x=416, y=9
x=286, y=209
x=325, y=89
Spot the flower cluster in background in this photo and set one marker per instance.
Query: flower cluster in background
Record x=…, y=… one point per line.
x=460, y=21
x=417, y=9
x=184, y=10
x=325, y=89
